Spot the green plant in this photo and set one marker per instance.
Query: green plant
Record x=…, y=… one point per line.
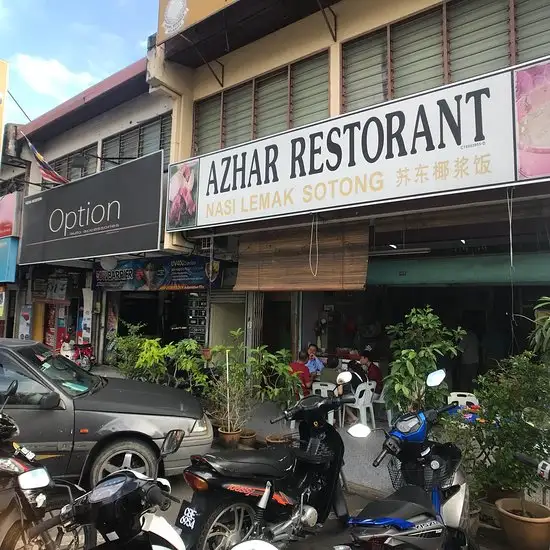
x=127, y=348
x=539, y=339
x=188, y=361
x=520, y=382
x=418, y=344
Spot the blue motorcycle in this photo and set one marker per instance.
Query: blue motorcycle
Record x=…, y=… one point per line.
x=429, y=509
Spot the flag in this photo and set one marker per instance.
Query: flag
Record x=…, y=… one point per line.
x=48, y=173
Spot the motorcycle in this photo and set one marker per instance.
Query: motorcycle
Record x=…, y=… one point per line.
x=302, y=480
x=85, y=355
x=28, y=493
x=121, y=507
x=429, y=509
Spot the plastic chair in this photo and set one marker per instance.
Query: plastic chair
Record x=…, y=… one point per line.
x=464, y=399
x=325, y=389
x=382, y=401
x=363, y=401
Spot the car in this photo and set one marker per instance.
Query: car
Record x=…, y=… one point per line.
x=78, y=422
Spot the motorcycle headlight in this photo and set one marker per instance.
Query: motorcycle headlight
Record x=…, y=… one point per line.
x=34, y=479
x=200, y=426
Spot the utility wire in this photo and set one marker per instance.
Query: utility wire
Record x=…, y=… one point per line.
x=18, y=105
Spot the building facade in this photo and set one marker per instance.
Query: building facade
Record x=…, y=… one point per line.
x=361, y=159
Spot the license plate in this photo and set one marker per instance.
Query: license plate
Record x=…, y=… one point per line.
x=187, y=519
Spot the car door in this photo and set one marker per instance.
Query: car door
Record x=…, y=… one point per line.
x=46, y=432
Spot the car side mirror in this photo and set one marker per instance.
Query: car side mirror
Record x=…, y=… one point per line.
x=12, y=389
x=50, y=401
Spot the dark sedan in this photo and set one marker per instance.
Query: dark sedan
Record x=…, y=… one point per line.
x=71, y=418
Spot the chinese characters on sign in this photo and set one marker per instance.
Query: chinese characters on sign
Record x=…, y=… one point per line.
x=445, y=170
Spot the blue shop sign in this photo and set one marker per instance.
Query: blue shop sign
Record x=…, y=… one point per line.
x=8, y=259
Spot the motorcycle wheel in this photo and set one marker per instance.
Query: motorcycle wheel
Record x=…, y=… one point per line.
x=229, y=524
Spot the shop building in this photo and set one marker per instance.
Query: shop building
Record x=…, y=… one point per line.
x=367, y=157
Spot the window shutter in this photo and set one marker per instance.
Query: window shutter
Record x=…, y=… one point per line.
x=533, y=29
x=417, y=54
x=478, y=37
x=309, y=90
x=364, y=71
x=208, y=125
x=129, y=145
x=237, y=112
x=61, y=166
x=166, y=137
x=110, y=148
x=149, y=138
x=90, y=155
x=272, y=104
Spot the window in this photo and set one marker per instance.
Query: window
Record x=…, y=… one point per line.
x=64, y=165
x=138, y=141
x=29, y=391
x=287, y=98
x=533, y=29
x=478, y=37
x=364, y=71
x=417, y=54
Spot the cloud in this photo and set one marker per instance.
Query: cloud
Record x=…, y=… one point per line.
x=50, y=77
x=142, y=44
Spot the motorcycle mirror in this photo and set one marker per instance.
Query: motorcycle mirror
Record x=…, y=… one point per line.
x=359, y=430
x=172, y=442
x=344, y=378
x=254, y=545
x=436, y=378
x=536, y=418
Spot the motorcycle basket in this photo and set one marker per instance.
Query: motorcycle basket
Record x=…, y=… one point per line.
x=437, y=472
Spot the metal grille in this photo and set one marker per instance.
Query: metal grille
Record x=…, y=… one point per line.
x=313, y=451
x=364, y=71
x=208, y=125
x=478, y=37
x=237, y=112
x=417, y=54
x=271, y=103
x=147, y=137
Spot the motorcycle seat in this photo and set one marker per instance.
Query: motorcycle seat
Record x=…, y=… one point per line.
x=406, y=503
x=267, y=463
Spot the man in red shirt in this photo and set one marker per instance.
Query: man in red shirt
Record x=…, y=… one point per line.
x=301, y=369
x=373, y=373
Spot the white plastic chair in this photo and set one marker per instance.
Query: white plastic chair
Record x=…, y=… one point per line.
x=464, y=399
x=325, y=389
x=382, y=401
x=363, y=401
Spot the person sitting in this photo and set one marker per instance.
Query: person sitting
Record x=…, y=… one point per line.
x=373, y=373
x=330, y=372
x=357, y=378
x=314, y=364
x=300, y=368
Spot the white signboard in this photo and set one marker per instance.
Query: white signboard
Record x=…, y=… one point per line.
x=450, y=139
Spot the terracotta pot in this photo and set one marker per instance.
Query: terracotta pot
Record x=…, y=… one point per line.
x=248, y=438
x=206, y=354
x=525, y=533
x=278, y=439
x=230, y=440
x=497, y=494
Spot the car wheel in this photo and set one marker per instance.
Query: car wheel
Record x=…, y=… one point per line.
x=126, y=453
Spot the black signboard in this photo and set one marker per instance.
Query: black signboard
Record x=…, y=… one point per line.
x=116, y=211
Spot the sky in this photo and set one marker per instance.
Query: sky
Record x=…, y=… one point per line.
x=58, y=48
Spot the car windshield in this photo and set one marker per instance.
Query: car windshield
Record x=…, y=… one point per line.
x=62, y=372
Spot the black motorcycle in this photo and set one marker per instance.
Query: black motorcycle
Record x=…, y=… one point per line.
x=304, y=477
x=122, y=508
x=28, y=494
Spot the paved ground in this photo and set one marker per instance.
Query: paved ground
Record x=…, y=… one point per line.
x=331, y=533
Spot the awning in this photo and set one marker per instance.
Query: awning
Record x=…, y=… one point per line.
x=290, y=260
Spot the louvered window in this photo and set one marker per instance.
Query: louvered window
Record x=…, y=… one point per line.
x=478, y=37
x=87, y=156
x=272, y=104
x=364, y=71
x=148, y=137
x=417, y=54
x=309, y=90
x=208, y=125
x=237, y=113
x=533, y=29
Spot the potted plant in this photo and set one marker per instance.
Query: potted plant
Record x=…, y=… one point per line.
x=418, y=344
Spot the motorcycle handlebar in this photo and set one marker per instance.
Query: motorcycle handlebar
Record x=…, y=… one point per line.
x=278, y=418
x=447, y=408
x=37, y=530
x=156, y=497
x=347, y=399
x=379, y=458
x=530, y=461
